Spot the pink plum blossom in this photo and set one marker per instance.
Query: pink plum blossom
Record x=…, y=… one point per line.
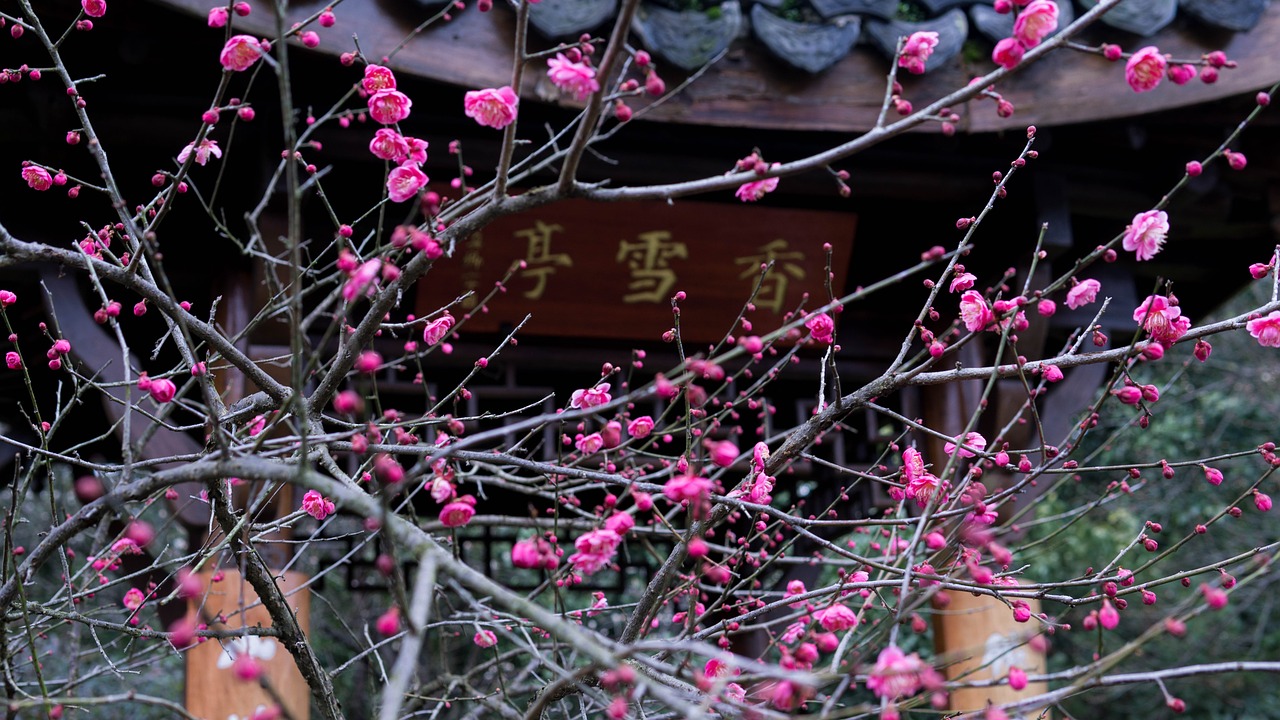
x=37, y=178
x=1145, y=69
x=620, y=522
x=963, y=281
x=821, y=328
x=316, y=505
x=1162, y=319
x=485, y=639
x=1083, y=293
x=576, y=78
x=898, y=675
x=722, y=453
x=240, y=53
x=94, y=8
x=133, y=599
x=916, y=51
x=458, y=512
x=387, y=144
x=836, y=618
x=640, y=427
x=377, y=78
x=590, y=444
x=1266, y=329
x=417, y=150
x=687, y=487
x=218, y=16
x=595, y=550
x=973, y=439
x=1008, y=53
x=921, y=484
x=206, y=148
x=405, y=181
x=1036, y=22
x=534, y=553
x=756, y=189
x=492, y=107
x=591, y=397
x=974, y=311
x=435, y=330
x=363, y=280
x=1146, y=234
x=389, y=106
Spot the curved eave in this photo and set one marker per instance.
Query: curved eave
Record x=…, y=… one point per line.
x=749, y=89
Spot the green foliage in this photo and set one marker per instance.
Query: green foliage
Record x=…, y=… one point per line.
x=1204, y=410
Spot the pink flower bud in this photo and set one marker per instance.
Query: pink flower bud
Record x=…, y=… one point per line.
x=1182, y=74
x=1194, y=168
x=1202, y=350
x=1017, y=678
x=162, y=390
x=1128, y=395
x=1213, y=475
x=348, y=402
x=654, y=85
x=1262, y=501
x=1236, y=160
x=368, y=362
x=1215, y=598
x=246, y=669
x=388, y=623
x=1052, y=373
x=1108, y=616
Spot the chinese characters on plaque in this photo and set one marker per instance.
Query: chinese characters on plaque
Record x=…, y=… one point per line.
x=610, y=270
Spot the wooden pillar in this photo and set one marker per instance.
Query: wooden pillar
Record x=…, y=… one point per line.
x=982, y=641
x=976, y=634
x=212, y=689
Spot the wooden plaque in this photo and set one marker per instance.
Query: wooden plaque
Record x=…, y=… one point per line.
x=603, y=270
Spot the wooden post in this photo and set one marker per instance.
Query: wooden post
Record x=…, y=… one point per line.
x=212, y=690
x=982, y=641
x=977, y=633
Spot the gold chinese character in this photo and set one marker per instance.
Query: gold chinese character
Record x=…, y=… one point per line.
x=773, y=291
x=471, y=283
x=540, y=261
x=650, y=261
